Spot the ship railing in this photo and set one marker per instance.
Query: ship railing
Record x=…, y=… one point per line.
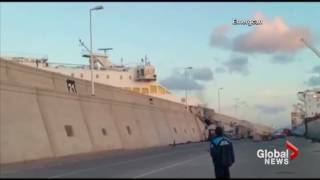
x=67, y=65
x=22, y=55
x=84, y=66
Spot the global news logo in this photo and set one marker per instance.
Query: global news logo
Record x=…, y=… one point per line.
x=277, y=157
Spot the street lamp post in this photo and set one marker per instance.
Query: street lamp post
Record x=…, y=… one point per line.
x=236, y=105
x=219, y=98
x=91, y=59
x=185, y=73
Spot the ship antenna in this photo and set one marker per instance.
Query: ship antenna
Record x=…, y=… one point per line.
x=83, y=45
x=146, y=59
x=105, y=50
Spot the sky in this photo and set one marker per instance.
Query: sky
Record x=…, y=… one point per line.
x=260, y=67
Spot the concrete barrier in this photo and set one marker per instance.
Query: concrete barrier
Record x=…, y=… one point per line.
x=67, y=126
x=175, y=127
x=23, y=134
x=183, y=122
x=40, y=118
x=129, y=130
x=101, y=124
x=147, y=127
x=3, y=71
x=165, y=133
x=313, y=129
x=193, y=128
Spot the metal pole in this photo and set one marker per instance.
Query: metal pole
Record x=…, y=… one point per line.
x=91, y=59
x=185, y=75
x=219, y=99
x=305, y=114
x=236, y=106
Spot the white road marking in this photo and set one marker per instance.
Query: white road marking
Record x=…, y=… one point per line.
x=115, y=164
x=170, y=166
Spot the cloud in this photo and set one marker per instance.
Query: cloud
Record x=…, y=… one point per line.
x=177, y=81
x=204, y=74
x=272, y=36
x=268, y=109
x=270, y=93
x=217, y=59
x=316, y=69
x=314, y=81
x=220, y=70
x=237, y=64
x=219, y=36
x=282, y=58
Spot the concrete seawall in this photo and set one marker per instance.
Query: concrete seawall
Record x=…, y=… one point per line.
x=40, y=118
x=313, y=131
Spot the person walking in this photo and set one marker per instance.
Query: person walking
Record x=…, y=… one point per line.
x=222, y=154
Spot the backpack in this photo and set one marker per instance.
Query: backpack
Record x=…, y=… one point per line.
x=224, y=151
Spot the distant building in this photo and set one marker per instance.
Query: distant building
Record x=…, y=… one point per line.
x=311, y=102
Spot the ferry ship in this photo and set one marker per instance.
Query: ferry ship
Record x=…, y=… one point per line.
x=306, y=114
x=141, y=78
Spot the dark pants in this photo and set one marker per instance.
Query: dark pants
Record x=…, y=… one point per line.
x=222, y=172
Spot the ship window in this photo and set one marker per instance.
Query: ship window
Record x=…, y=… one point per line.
x=120, y=76
x=129, y=130
x=175, y=130
x=150, y=100
x=145, y=91
x=97, y=76
x=161, y=90
x=69, y=130
x=107, y=76
x=136, y=90
x=81, y=75
x=153, y=89
x=104, y=131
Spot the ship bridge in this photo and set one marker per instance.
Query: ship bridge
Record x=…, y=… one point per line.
x=99, y=61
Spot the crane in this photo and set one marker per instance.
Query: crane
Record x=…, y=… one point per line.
x=311, y=47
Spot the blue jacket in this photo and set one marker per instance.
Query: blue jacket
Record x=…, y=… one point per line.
x=221, y=150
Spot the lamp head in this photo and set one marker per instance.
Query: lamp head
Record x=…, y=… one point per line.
x=97, y=8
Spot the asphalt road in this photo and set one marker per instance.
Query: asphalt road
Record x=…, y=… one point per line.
x=182, y=161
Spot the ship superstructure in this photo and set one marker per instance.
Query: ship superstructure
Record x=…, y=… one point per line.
x=141, y=78
x=305, y=117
